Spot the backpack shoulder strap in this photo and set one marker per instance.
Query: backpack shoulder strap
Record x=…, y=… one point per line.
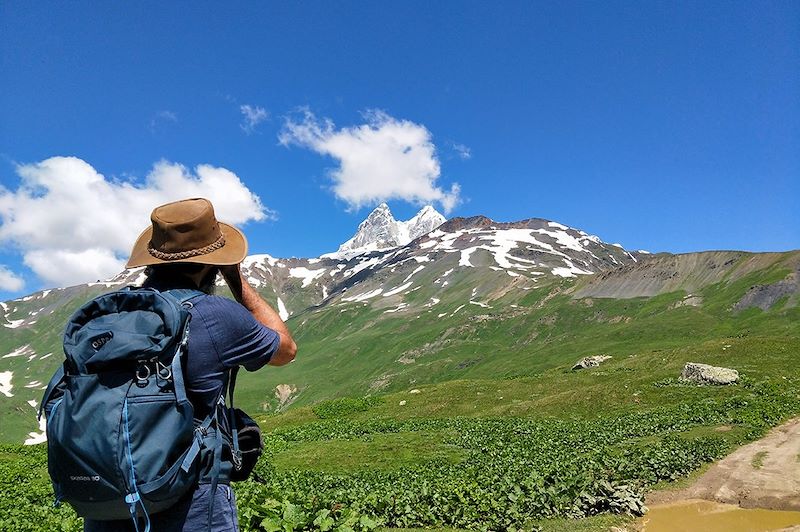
x=236, y=452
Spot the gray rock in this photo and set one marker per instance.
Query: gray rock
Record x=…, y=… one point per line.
x=590, y=362
x=705, y=374
x=766, y=295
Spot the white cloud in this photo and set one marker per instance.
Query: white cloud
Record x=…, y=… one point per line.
x=162, y=117
x=74, y=225
x=381, y=160
x=464, y=152
x=9, y=280
x=252, y=115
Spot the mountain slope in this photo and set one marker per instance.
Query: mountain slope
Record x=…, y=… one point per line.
x=473, y=299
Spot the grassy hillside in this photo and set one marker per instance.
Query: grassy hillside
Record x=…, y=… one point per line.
x=502, y=454
x=454, y=406
x=484, y=328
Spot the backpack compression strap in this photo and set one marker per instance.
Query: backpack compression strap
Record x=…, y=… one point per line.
x=57, y=379
x=236, y=454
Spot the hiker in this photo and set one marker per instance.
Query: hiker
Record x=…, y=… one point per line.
x=185, y=249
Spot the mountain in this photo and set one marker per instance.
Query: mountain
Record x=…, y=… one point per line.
x=471, y=299
x=381, y=231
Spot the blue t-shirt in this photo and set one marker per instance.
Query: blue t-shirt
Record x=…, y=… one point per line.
x=222, y=334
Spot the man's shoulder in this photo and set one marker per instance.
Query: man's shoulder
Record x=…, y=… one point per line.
x=210, y=301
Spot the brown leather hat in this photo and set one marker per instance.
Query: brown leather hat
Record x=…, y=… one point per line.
x=188, y=231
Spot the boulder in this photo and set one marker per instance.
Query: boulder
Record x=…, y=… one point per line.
x=705, y=374
x=590, y=362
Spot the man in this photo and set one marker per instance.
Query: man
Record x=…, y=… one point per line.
x=186, y=247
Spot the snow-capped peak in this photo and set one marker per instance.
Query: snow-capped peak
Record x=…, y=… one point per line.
x=381, y=231
x=425, y=221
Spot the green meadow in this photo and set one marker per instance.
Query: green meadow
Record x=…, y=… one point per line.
x=475, y=420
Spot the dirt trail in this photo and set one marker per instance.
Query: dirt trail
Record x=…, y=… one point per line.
x=762, y=474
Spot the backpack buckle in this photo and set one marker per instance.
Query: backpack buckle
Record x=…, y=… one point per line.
x=164, y=371
x=143, y=369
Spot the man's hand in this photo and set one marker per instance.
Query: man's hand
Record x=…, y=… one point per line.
x=233, y=278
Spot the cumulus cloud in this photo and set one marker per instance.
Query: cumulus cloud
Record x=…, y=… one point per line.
x=74, y=225
x=10, y=281
x=381, y=160
x=252, y=115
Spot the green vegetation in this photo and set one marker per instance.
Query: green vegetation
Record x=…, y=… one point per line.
x=356, y=472
x=345, y=405
x=499, y=433
x=758, y=459
x=26, y=498
x=379, y=451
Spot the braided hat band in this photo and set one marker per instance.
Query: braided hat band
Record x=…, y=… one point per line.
x=218, y=243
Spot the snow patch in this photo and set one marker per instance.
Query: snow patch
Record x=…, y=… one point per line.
x=20, y=351
x=35, y=438
x=419, y=269
x=397, y=290
x=282, y=312
x=308, y=276
x=570, y=271
x=364, y=296
x=465, y=254
x=13, y=324
x=5, y=383
x=363, y=265
x=258, y=259
x=563, y=238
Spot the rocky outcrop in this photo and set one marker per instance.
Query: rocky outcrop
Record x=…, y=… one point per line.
x=765, y=296
x=285, y=394
x=705, y=374
x=590, y=362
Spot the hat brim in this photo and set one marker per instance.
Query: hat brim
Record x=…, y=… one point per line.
x=233, y=252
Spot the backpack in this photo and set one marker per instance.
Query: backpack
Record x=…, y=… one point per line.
x=122, y=441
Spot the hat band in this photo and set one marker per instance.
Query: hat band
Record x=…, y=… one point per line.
x=162, y=255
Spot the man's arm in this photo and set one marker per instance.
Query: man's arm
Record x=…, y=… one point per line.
x=262, y=312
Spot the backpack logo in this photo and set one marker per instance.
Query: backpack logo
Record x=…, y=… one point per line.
x=78, y=478
x=102, y=340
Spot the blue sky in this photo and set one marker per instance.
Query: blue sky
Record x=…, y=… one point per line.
x=667, y=126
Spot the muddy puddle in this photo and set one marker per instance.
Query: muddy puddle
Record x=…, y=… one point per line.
x=697, y=515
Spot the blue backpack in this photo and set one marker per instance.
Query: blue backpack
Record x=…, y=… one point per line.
x=122, y=441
